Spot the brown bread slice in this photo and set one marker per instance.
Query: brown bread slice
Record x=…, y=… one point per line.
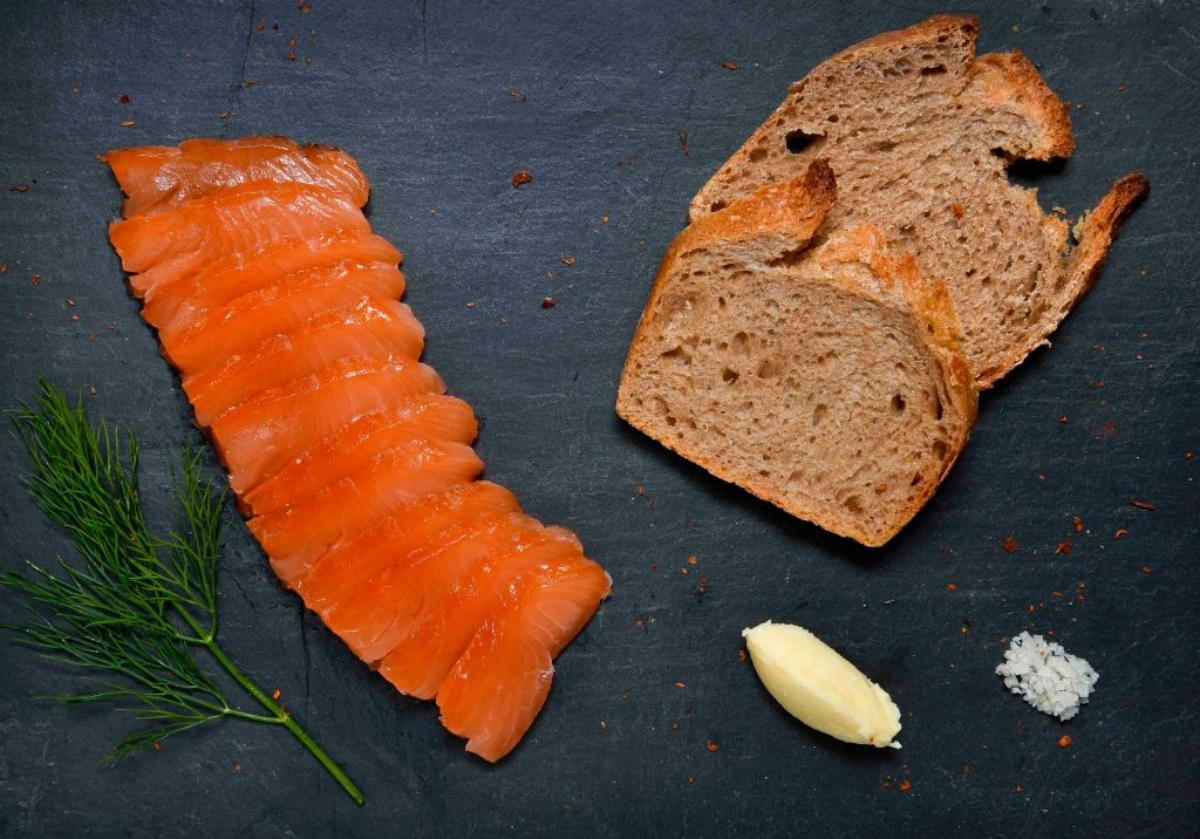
x=919, y=133
x=821, y=374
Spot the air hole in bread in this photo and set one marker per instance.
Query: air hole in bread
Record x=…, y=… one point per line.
x=854, y=505
x=678, y=354
x=935, y=70
x=741, y=343
x=671, y=420
x=898, y=404
x=819, y=413
x=758, y=154
x=939, y=449
x=916, y=479
x=883, y=145
x=797, y=141
x=831, y=118
x=768, y=369
x=729, y=376
x=718, y=205
x=940, y=408
x=720, y=302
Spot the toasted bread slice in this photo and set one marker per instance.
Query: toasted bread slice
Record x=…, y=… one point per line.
x=920, y=133
x=820, y=372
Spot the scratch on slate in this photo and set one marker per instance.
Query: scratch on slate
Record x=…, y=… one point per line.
x=424, y=42
x=307, y=658
x=236, y=87
x=1176, y=71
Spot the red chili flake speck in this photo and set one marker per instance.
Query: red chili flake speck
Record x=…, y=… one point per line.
x=603, y=725
x=127, y=123
x=470, y=304
x=70, y=301
x=693, y=559
x=304, y=6
x=262, y=26
x=278, y=693
x=93, y=391
x=681, y=684
x=1018, y=789
x=1078, y=523
x=683, y=143
x=1142, y=505
x=905, y=785
x=75, y=316
x=91, y=336
x=19, y=188
x=730, y=65
x=712, y=746
x=35, y=280
x=3, y=267
x=548, y=302
x=951, y=587
x=123, y=99
x=157, y=746
x=1120, y=533
x=521, y=178
x=1107, y=429
x=703, y=587
x=965, y=769
x=1145, y=569
x=604, y=219
x=566, y=260
x=1063, y=547
x=1010, y=545
x=291, y=53
x=683, y=572
x=1186, y=455
x=1064, y=741
x=741, y=656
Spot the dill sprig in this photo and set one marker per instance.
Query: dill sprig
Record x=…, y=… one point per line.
x=137, y=607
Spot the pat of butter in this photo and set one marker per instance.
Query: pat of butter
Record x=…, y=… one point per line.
x=819, y=687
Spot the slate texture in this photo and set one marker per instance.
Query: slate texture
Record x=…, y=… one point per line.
x=621, y=110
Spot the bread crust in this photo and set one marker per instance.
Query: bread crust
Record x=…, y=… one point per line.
x=766, y=212
x=1011, y=78
x=1094, y=233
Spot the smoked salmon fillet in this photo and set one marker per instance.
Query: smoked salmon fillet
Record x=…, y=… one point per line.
x=281, y=311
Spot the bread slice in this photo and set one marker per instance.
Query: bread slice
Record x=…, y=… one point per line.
x=817, y=371
x=920, y=133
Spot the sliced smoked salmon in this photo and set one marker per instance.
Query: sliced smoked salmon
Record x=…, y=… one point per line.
x=341, y=571
x=380, y=331
x=435, y=640
x=281, y=311
x=180, y=302
x=498, y=686
x=278, y=308
x=159, y=177
x=294, y=537
x=179, y=241
x=258, y=437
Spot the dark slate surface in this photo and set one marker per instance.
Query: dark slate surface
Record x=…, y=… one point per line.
x=441, y=103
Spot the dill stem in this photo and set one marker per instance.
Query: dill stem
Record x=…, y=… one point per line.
x=278, y=714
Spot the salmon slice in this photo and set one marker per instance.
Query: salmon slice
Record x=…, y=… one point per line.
x=433, y=417
x=295, y=537
x=383, y=330
x=160, y=177
x=171, y=244
x=381, y=611
x=434, y=641
x=498, y=686
x=180, y=302
x=282, y=307
x=257, y=438
x=338, y=574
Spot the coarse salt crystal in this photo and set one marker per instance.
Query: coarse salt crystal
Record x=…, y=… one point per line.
x=1051, y=679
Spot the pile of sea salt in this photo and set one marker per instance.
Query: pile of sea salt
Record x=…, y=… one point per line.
x=1051, y=679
